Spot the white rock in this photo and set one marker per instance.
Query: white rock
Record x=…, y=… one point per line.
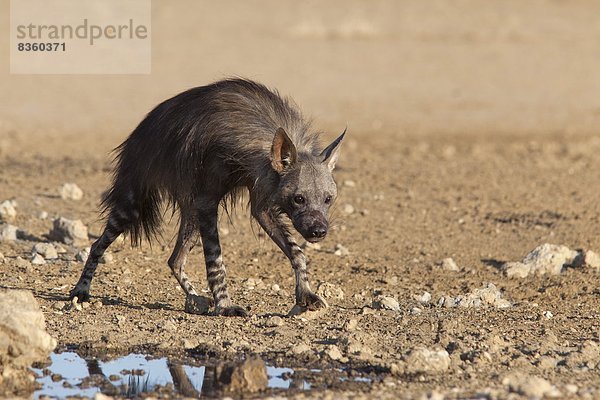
x=300, y=348
x=349, y=183
x=42, y=215
x=8, y=233
x=46, y=250
x=82, y=255
x=532, y=387
x=425, y=298
x=69, y=231
x=426, y=360
x=487, y=295
x=7, y=210
x=341, y=251
x=23, y=336
x=309, y=245
x=572, y=389
x=274, y=321
x=107, y=258
x=70, y=191
x=386, y=303
x=348, y=208
x=592, y=259
x=351, y=325
x=449, y=264
x=38, y=260
x=546, y=259
x=334, y=353
x=330, y=291
x=548, y=314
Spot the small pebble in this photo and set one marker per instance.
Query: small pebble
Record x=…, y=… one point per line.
x=334, y=353
x=82, y=255
x=42, y=215
x=70, y=191
x=38, y=260
x=107, y=258
x=300, y=348
x=341, y=251
x=274, y=321
x=449, y=264
x=46, y=250
x=349, y=183
x=7, y=210
x=386, y=303
x=8, y=233
x=425, y=298
x=351, y=325
x=348, y=208
x=69, y=231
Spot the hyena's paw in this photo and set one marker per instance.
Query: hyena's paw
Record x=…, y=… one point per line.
x=81, y=293
x=197, y=304
x=231, y=311
x=311, y=301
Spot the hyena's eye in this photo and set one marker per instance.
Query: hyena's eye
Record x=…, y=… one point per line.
x=327, y=199
x=299, y=199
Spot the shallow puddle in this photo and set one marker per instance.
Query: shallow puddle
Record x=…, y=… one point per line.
x=129, y=376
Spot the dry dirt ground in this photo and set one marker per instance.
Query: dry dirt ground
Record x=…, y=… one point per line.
x=472, y=135
x=416, y=201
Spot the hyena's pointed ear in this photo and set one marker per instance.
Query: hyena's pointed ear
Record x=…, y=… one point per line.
x=283, y=151
x=331, y=153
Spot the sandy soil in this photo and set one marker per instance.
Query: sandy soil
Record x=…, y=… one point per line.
x=472, y=136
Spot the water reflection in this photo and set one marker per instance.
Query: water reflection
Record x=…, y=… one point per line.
x=129, y=376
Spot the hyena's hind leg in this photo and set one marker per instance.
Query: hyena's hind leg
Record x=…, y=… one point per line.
x=215, y=270
x=186, y=240
x=116, y=224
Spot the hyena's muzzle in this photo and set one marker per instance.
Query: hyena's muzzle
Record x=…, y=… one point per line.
x=312, y=225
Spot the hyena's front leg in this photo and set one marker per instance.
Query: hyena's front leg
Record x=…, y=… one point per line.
x=279, y=233
x=215, y=270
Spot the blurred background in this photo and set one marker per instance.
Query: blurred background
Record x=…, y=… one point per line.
x=399, y=67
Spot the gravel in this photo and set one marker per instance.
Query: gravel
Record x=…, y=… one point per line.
x=487, y=295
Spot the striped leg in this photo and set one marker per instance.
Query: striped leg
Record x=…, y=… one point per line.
x=114, y=228
x=186, y=240
x=215, y=270
x=278, y=232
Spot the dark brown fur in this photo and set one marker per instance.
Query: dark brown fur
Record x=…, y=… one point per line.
x=198, y=150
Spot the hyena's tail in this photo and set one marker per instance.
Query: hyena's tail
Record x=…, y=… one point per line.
x=133, y=212
x=132, y=205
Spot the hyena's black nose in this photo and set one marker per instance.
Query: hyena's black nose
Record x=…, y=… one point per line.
x=319, y=232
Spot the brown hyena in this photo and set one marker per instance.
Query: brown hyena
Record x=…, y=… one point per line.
x=198, y=150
